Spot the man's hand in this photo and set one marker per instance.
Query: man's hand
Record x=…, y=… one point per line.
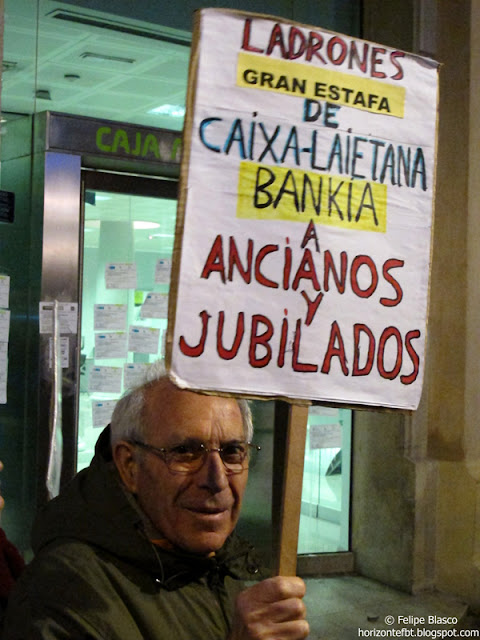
x=272, y=609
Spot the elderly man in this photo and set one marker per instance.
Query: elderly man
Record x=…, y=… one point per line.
x=141, y=546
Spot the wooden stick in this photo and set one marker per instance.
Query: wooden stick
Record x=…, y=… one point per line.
x=292, y=490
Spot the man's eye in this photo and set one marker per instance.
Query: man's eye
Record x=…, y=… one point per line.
x=185, y=450
x=234, y=450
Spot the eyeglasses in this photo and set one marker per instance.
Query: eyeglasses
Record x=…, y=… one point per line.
x=190, y=457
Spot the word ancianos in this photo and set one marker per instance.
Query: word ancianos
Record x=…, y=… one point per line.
x=312, y=270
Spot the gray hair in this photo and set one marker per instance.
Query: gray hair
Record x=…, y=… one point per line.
x=128, y=421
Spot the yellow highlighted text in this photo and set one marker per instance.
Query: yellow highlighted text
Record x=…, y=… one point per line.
x=278, y=193
x=293, y=78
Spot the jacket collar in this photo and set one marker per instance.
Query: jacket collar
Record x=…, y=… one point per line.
x=236, y=559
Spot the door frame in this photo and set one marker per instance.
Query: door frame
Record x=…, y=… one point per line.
x=66, y=146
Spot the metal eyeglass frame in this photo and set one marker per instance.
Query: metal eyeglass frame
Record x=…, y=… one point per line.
x=162, y=453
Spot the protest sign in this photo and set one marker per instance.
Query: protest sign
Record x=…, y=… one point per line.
x=305, y=215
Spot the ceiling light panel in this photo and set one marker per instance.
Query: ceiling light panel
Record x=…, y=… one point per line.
x=106, y=89
x=150, y=89
x=125, y=28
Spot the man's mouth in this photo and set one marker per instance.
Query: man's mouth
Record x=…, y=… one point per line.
x=202, y=510
x=208, y=510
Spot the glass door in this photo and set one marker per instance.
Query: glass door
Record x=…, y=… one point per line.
x=128, y=236
x=325, y=509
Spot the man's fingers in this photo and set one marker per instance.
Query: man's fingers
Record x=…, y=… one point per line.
x=294, y=630
x=279, y=588
x=272, y=610
x=290, y=609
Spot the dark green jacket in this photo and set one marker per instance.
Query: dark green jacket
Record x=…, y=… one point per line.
x=96, y=575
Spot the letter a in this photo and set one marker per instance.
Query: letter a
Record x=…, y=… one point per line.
x=215, y=261
x=311, y=234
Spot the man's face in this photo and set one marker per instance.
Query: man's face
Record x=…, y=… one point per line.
x=196, y=512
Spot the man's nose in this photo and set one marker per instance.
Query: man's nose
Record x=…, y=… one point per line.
x=213, y=474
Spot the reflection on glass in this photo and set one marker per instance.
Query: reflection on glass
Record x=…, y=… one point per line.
x=128, y=244
x=324, y=519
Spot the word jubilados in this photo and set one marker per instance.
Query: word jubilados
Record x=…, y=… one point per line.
x=269, y=344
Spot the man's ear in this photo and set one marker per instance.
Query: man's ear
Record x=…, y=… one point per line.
x=126, y=463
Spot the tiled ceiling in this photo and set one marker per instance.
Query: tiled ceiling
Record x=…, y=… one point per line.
x=58, y=57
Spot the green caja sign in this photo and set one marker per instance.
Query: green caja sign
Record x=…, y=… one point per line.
x=138, y=144
x=113, y=139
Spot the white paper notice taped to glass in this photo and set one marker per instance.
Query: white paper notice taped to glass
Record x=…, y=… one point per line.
x=121, y=275
x=4, y=290
x=105, y=380
x=325, y=436
x=305, y=215
x=64, y=343
x=163, y=268
x=3, y=372
x=110, y=317
x=143, y=339
x=67, y=317
x=155, y=305
x=4, y=325
x=111, y=345
x=134, y=373
x=102, y=412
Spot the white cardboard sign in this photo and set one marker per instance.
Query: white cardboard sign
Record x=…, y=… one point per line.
x=305, y=214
